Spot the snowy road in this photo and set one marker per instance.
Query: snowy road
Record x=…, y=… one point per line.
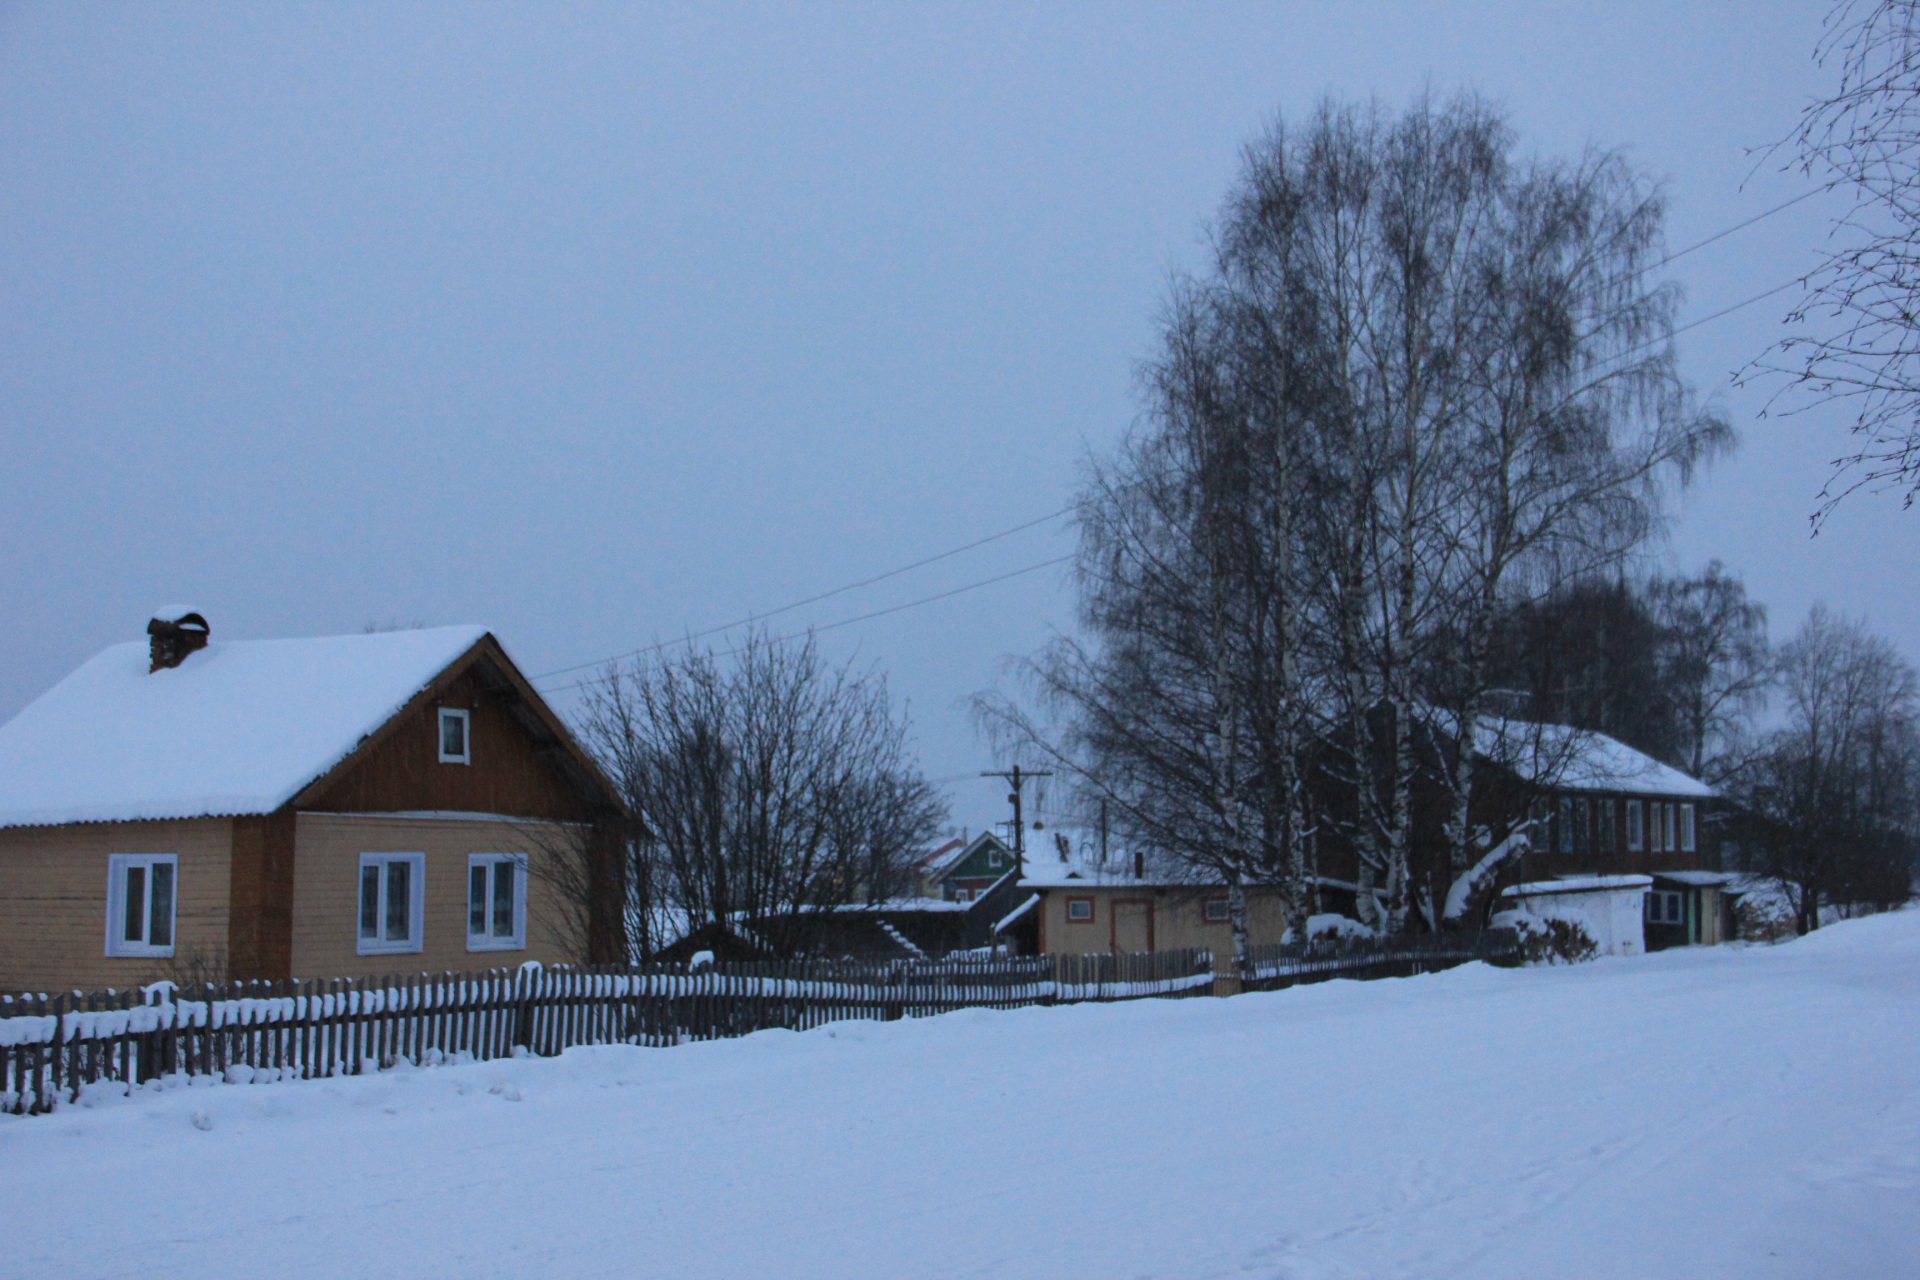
x=1729, y=1112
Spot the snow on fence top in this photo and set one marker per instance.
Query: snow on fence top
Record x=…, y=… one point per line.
x=239, y=727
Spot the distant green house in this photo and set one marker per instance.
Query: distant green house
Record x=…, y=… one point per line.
x=962, y=871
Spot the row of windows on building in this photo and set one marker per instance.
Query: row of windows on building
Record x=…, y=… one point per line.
x=1658, y=826
x=142, y=901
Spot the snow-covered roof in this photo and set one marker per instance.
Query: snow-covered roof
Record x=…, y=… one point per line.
x=1570, y=759
x=1698, y=879
x=1047, y=870
x=240, y=727
x=1577, y=884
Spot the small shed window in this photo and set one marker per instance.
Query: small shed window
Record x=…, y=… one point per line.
x=1080, y=910
x=1665, y=907
x=1636, y=825
x=392, y=910
x=454, y=745
x=1687, y=836
x=1217, y=912
x=141, y=898
x=497, y=902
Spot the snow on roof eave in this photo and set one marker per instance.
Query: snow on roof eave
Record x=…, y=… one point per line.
x=1000, y=926
x=1577, y=884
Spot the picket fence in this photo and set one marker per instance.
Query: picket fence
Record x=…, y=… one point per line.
x=53, y=1048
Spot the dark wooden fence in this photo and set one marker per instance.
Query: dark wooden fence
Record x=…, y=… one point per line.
x=53, y=1048
x=1287, y=964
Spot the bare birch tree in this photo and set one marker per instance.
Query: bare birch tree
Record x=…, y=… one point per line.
x=1855, y=334
x=1421, y=378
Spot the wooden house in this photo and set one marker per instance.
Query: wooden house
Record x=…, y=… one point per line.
x=962, y=871
x=1593, y=812
x=325, y=807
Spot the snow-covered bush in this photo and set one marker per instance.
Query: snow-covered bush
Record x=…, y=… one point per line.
x=1549, y=939
x=1763, y=912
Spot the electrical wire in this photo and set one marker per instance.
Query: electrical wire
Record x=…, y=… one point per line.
x=1055, y=515
x=864, y=617
x=814, y=599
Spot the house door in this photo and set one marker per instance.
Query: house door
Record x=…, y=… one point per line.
x=1132, y=924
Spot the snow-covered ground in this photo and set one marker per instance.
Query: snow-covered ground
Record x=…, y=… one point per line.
x=1745, y=1112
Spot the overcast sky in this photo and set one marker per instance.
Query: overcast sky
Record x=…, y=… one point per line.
x=597, y=325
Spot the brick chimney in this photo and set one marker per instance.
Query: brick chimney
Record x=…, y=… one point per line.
x=174, y=632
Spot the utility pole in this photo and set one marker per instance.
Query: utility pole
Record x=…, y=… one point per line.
x=1015, y=777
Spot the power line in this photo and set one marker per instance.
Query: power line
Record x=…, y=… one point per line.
x=815, y=599
x=1054, y=515
x=864, y=617
x=1739, y=226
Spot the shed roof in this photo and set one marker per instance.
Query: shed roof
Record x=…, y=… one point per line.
x=240, y=727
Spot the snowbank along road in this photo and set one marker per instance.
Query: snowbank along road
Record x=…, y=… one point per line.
x=1747, y=1112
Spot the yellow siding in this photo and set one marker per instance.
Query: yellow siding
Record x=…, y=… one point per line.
x=1179, y=919
x=326, y=886
x=53, y=901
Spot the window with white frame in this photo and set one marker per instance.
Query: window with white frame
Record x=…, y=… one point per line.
x=1636, y=826
x=392, y=902
x=1657, y=826
x=142, y=894
x=496, y=901
x=1080, y=910
x=1217, y=912
x=1665, y=906
x=455, y=748
x=1687, y=835
x=1673, y=834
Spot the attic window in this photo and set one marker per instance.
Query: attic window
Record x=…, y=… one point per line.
x=454, y=745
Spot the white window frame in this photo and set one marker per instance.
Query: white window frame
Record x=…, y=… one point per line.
x=1689, y=837
x=1636, y=826
x=1658, y=900
x=488, y=940
x=1225, y=915
x=118, y=864
x=1077, y=902
x=466, y=735
x=416, y=904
